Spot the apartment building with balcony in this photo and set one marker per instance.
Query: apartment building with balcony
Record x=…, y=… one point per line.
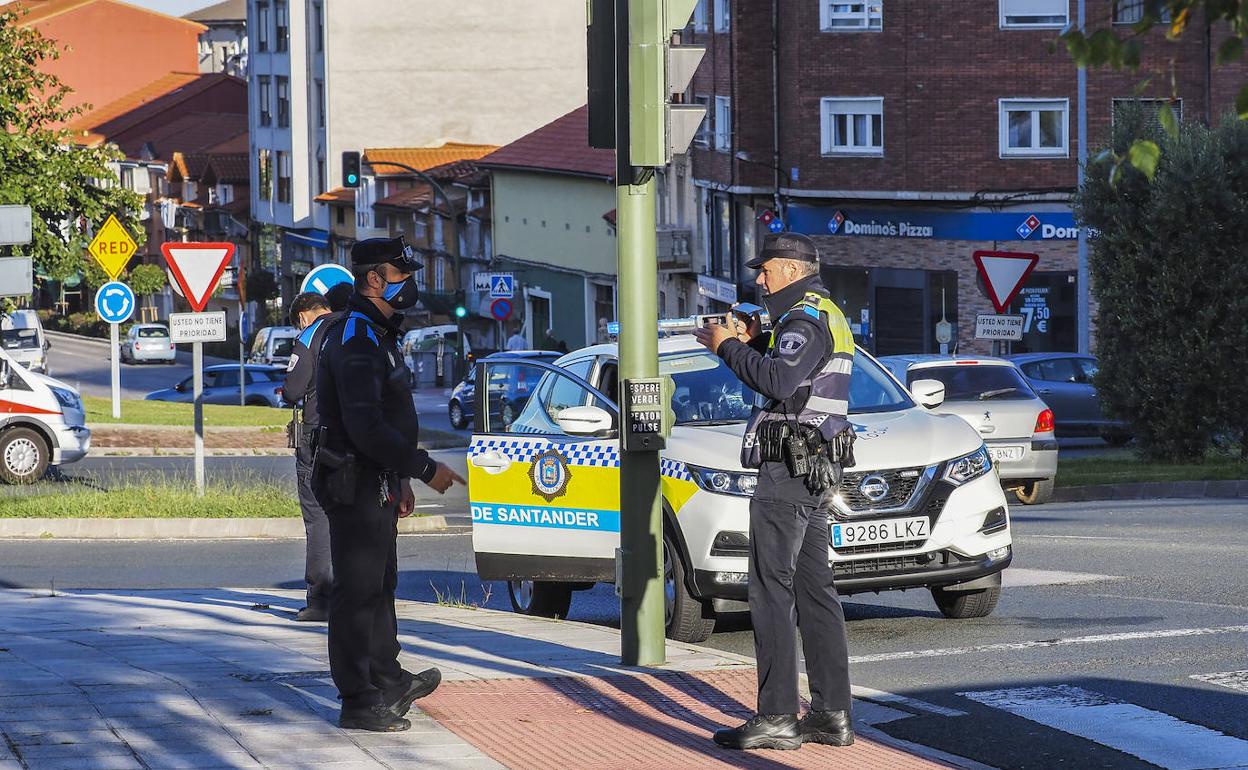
x=904, y=135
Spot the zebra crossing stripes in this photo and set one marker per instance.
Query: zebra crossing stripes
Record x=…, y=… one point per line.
x=1234, y=680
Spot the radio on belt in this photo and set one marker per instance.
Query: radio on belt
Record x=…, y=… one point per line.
x=647, y=414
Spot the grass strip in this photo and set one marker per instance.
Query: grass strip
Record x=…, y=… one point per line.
x=135, y=412
x=154, y=495
x=1124, y=467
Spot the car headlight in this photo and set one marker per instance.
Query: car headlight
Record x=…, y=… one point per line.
x=724, y=482
x=970, y=466
x=67, y=399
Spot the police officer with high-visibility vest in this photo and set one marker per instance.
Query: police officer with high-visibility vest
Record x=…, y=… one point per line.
x=365, y=459
x=799, y=438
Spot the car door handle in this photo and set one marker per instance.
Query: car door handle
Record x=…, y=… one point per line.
x=1045, y=391
x=494, y=462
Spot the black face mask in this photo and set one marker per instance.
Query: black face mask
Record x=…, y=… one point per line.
x=401, y=295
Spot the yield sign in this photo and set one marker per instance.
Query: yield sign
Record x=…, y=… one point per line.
x=197, y=267
x=1004, y=273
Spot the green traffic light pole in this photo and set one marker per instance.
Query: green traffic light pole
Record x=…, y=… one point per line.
x=454, y=251
x=639, y=29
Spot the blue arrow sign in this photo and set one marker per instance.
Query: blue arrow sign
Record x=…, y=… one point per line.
x=322, y=278
x=115, y=302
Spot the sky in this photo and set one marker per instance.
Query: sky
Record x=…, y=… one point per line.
x=174, y=7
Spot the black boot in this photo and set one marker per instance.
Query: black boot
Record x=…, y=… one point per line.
x=777, y=731
x=312, y=615
x=377, y=717
x=831, y=728
x=400, y=697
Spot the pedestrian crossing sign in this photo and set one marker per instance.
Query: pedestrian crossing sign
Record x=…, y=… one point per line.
x=502, y=287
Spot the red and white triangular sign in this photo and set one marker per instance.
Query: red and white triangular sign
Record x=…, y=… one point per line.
x=197, y=267
x=1004, y=273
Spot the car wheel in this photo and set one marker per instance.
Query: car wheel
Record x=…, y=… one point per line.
x=541, y=598
x=456, y=413
x=1035, y=492
x=23, y=456
x=687, y=618
x=960, y=605
x=1116, y=437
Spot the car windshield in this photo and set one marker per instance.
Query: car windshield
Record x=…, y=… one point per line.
x=973, y=382
x=19, y=339
x=152, y=331
x=707, y=392
x=283, y=345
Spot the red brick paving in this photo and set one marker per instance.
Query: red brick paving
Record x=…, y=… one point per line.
x=632, y=722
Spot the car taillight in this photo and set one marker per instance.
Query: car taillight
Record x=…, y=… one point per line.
x=278, y=391
x=1044, y=421
x=137, y=346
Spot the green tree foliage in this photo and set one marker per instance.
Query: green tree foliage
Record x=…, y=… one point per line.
x=146, y=279
x=1168, y=270
x=1102, y=44
x=69, y=188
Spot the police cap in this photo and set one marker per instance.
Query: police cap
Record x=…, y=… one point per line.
x=785, y=246
x=374, y=251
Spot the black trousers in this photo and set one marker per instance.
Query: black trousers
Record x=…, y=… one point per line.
x=791, y=587
x=318, y=570
x=363, y=629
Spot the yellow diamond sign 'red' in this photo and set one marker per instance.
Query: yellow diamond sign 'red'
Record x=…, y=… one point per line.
x=112, y=247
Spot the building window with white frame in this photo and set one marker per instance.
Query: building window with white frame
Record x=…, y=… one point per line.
x=1034, y=14
x=282, y=18
x=1132, y=11
x=723, y=123
x=265, y=99
x=320, y=103
x=283, y=177
x=264, y=174
x=262, y=27
x=699, y=16
x=853, y=126
x=318, y=15
x=283, y=102
x=723, y=15
x=835, y=16
x=1034, y=127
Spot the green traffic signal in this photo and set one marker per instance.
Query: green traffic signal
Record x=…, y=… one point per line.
x=461, y=311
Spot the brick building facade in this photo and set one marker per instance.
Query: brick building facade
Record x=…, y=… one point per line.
x=904, y=136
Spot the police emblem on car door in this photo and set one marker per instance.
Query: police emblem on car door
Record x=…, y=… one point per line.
x=543, y=482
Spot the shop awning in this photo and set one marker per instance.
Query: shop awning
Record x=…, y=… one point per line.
x=317, y=239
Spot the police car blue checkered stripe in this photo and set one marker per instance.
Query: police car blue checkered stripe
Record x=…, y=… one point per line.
x=600, y=456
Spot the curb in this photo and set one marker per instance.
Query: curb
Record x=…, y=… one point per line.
x=192, y=529
x=138, y=451
x=1152, y=490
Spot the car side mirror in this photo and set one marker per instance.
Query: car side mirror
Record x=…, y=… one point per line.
x=47, y=344
x=929, y=393
x=584, y=420
x=180, y=387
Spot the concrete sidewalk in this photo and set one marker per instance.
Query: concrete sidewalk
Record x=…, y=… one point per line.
x=222, y=678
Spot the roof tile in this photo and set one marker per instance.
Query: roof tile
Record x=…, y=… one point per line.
x=423, y=158
x=561, y=146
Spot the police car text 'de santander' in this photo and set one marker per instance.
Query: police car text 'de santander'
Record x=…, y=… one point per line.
x=922, y=508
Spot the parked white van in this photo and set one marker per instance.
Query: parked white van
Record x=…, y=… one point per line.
x=42, y=423
x=22, y=337
x=273, y=345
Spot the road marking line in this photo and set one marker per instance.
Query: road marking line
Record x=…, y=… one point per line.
x=1091, y=537
x=882, y=697
x=1235, y=680
x=1152, y=736
x=1019, y=577
x=1075, y=640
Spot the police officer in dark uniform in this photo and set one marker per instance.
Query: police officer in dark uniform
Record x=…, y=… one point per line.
x=311, y=313
x=798, y=437
x=365, y=460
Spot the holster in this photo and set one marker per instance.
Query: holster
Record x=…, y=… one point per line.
x=335, y=473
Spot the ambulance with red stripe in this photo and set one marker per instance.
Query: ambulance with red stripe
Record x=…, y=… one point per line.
x=42, y=423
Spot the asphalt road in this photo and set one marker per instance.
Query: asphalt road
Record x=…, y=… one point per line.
x=85, y=364
x=1109, y=613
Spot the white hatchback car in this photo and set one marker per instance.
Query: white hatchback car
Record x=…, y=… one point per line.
x=924, y=506
x=994, y=397
x=148, y=342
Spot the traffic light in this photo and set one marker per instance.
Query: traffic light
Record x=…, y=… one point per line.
x=351, y=169
x=657, y=129
x=461, y=304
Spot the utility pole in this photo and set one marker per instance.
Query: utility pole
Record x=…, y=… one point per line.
x=1083, y=308
x=633, y=71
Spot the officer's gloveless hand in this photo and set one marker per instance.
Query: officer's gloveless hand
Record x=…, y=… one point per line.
x=443, y=478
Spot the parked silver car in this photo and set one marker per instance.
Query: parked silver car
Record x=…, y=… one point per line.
x=263, y=387
x=994, y=397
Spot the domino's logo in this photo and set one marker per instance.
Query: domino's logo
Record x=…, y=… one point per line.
x=834, y=224
x=1029, y=226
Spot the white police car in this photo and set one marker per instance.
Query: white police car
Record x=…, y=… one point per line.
x=924, y=505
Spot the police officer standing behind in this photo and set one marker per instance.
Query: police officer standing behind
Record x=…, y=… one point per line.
x=365, y=459
x=310, y=312
x=798, y=437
